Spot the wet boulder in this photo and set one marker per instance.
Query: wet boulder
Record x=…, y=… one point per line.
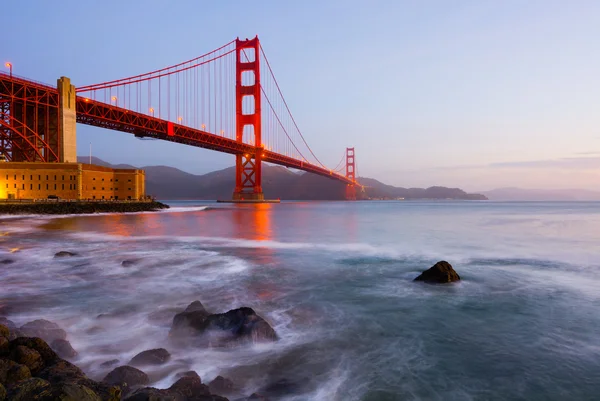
x=9, y=324
x=188, y=387
x=12, y=372
x=128, y=263
x=127, y=377
x=28, y=357
x=2, y=392
x=157, y=356
x=189, y=373
x=440, y=273
x=63, y=348
x=190, y=320
x=221, y=385
x=47, y=354
x=4, y=346
x=44, y=329
x=64, y=254
x=238, y=326
x=73, y=392
x=4, y=331
x=151, y=394
x=32, y=388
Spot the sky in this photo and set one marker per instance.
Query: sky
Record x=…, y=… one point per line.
x=472, y=94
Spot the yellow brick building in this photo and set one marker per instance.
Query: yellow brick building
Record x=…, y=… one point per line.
x=75, y=181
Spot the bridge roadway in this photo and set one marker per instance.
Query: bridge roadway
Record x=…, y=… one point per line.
x=100, y=114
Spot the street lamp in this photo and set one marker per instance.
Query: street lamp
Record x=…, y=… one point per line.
x=179, y=119
x=9, y=66
x=114, y=99
x=152, y=111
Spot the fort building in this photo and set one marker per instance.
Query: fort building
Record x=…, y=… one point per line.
x=70, y=181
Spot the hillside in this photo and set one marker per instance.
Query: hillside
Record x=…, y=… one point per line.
x=165, y=182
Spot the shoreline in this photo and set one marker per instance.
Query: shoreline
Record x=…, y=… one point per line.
x=67, y=208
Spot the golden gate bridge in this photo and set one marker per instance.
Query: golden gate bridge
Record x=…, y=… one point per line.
x=226, y=100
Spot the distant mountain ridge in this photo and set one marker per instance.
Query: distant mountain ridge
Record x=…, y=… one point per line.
x=521, y=194
x=165, y=182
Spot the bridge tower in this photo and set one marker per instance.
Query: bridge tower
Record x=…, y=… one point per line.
x=248, y=180
x=351, y=174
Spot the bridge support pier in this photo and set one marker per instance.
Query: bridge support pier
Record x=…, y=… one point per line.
x=67, y=127
x=248, y=172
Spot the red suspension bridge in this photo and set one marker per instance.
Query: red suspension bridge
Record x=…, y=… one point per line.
x=226, y=100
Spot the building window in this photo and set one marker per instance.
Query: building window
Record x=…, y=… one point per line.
x=94, y=178
x=74, y=186
x=103, y=188
x=46, y=186
x=39, y=178
x=23, y=186
x=46, y=177
x=128, y=180
x=39, y=186
x=94, y=197
x=15, y=176
x=111, y=180
x=23, y=177
x=54, y=178
x=102, y=196
x=129, y=189
x=15, y=185
x=117, y=180
x=30, y=186
x=30, y=178
x=54, y=186
x=94, y=188
x=63, y=186
x=63, y=177
x=103, y=179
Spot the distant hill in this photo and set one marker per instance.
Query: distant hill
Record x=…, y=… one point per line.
x=520, y=194
x=165, y=182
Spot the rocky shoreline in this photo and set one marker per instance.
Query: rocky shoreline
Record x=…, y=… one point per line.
x=80, y=207
x=34, y=361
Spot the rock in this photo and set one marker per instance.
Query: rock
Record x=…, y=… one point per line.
x=4, y=331
x=157, y=356
x=2, y=392
x=44, y=329
x=48, y=356
x=221, y=385
x=151, y=394
x=110, y=363
x=28, y=357
x=191, y=319
x=73, y=392
x=4, y=346
x=31, y=389
x=256, y=396
x=189, y=387
x=240, y=325
x=127, y=377
x=6, y=261
x=441, y=272
x=64, y=254
x=128, y=263
x=63, y=348
x=12, y=372
x=62, y=371
x=189, y=373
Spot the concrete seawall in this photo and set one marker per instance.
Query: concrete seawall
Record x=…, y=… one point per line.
x=80, y=207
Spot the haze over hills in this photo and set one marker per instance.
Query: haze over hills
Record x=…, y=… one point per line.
x=165, y=182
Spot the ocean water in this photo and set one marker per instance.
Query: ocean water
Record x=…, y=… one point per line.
x=335, y=281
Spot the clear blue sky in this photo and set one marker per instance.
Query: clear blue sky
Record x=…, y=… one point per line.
x=477, y=94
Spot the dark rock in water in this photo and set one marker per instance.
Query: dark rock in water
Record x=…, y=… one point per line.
x=189, y=373
x=151, y=394
x=189, y=387
x=190, y=320
x=157, y=356
x=6, y=261
x=221, y=385
x=110, y=363
x=127, y=377
x=2, y=392
x=128, y=263
x=258, y=397
x=64, y=349
x=236, y=326
x=62, y=371
x=441, y=272
x=44, y=329
x=12, y=372
x=242, y=325
x=31, y=389
x=64, y=254
x=28, y=357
